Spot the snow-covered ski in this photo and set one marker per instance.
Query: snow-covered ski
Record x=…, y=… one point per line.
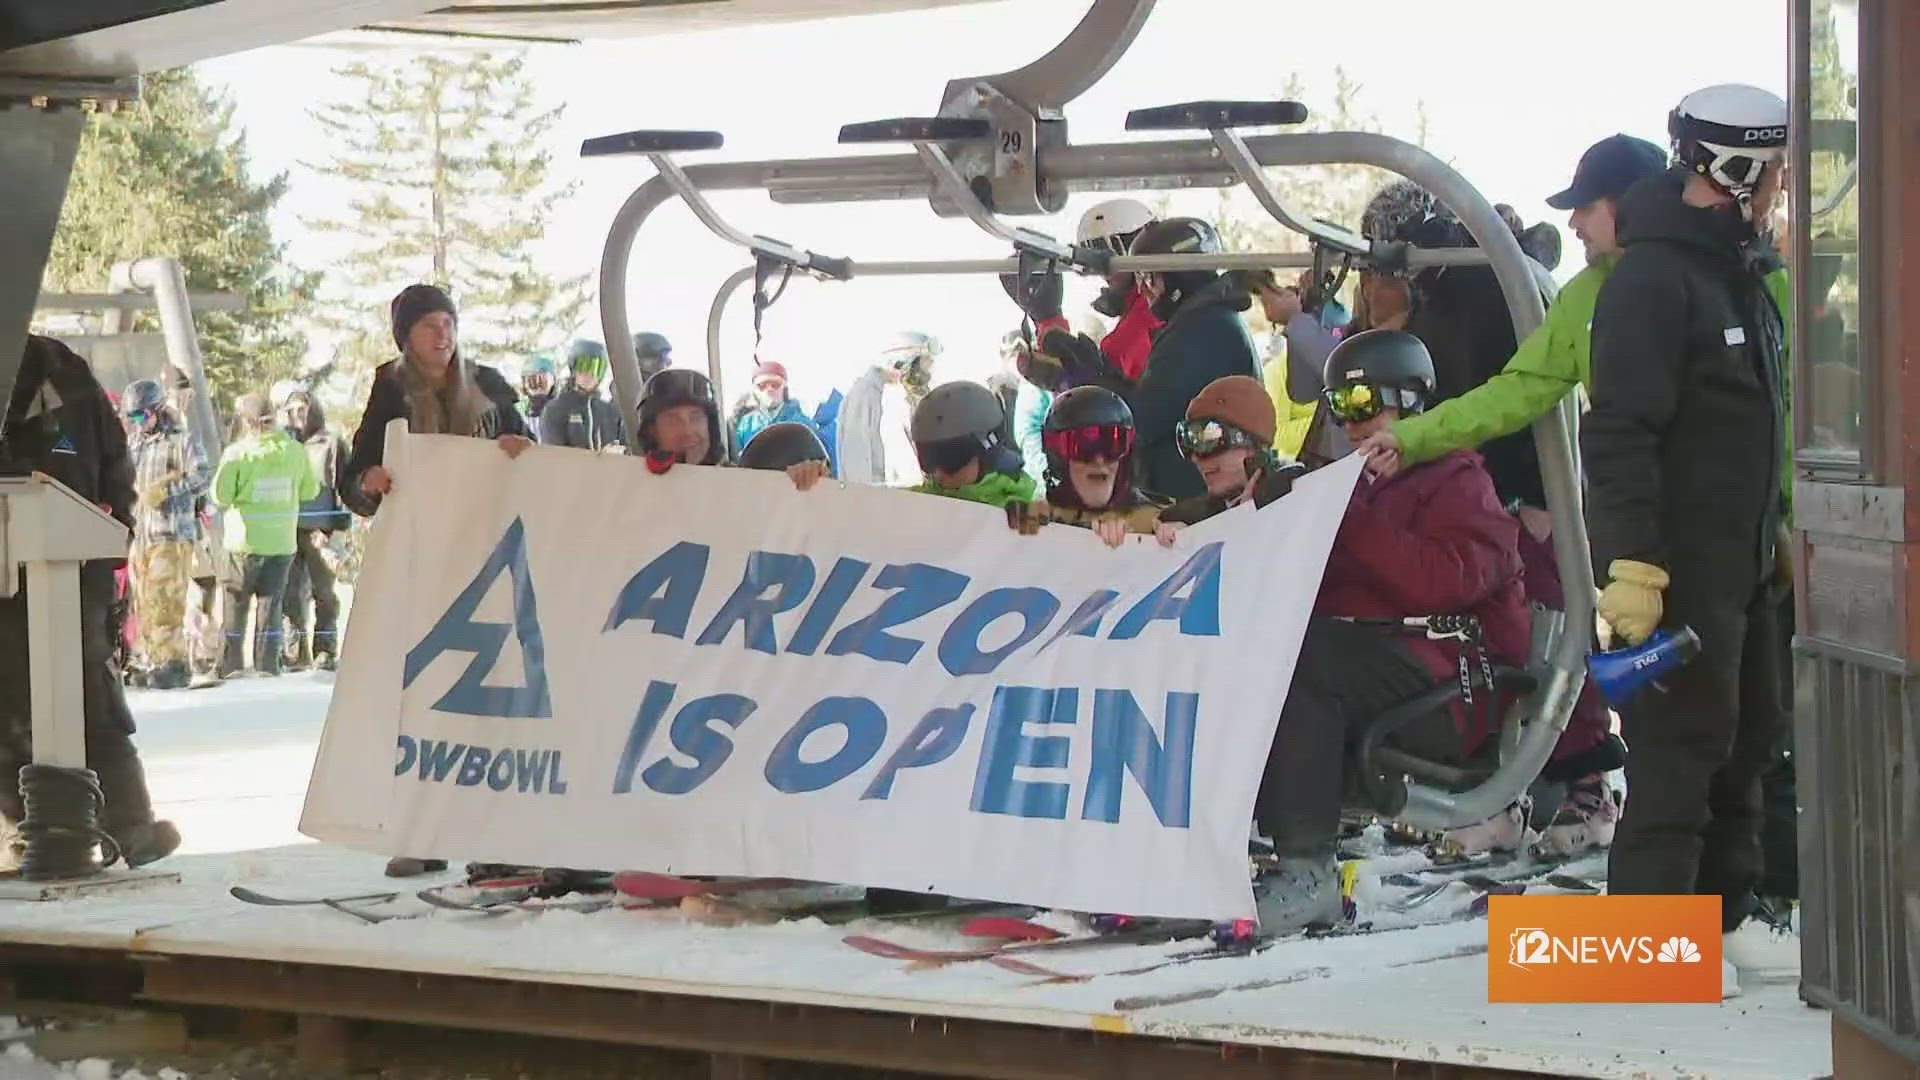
x=1151, y=1001
x=643, y=885
x=1137, y=934
x=251, y=896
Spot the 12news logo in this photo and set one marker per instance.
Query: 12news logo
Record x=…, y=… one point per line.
x=1531, y=945
x=1603, y=948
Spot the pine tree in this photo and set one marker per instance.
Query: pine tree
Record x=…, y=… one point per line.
x=449, y=187
x=168, y=176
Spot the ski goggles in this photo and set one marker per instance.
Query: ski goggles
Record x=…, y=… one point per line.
x=949, y=455
x=1109, y=441
x=592, y=367
x=1356, y=403
x=138, y=417
x=1205, y=438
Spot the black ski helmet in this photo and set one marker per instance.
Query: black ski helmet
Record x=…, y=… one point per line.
x=141, y=395
x=958, y=422
x=654, y=353
x=1078, y=409
x=682, y=386
x=781, y=446
x=1393, y=364
x=1178, y=236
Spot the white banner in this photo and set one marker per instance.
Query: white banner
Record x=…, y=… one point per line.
x=566, y=660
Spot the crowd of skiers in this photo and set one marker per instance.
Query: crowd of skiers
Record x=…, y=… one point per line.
x=1675, y=330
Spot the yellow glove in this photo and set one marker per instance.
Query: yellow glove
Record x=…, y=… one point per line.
x=1631, y=601
x=1783, y=558
x=153, y=497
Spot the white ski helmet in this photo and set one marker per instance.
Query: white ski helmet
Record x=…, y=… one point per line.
x=1113, y=218
x=283, y=390
x=909, y=348
x=1729, y=134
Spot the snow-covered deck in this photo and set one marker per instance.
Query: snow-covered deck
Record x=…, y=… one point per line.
x=1413, y=995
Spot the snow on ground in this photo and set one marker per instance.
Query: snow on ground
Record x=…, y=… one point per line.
x=18, y=1063
x=230, y=765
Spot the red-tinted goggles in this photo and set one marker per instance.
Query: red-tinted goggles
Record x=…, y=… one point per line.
x=1109, y=441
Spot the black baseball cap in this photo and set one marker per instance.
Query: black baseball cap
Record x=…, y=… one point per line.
x=1609, y=168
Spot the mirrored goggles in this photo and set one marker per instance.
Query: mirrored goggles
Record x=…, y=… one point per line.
x=1205, y=438
x=948, y=455
x=1109, y=441
x=1356, y=403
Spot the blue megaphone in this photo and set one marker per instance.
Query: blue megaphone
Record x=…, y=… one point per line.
x=1622, y=673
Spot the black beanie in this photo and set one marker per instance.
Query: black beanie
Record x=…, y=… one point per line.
x=414, y=303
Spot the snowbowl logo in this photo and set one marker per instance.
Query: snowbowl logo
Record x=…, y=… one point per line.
x=1603, y=948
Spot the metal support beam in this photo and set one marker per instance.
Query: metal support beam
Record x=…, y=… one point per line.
x=1071, y=68
x=37, y=147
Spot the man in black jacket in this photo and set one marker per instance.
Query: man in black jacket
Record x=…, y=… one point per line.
x=1204, y=339
x=1684, y=450
x=578, y=416
x=60, y=422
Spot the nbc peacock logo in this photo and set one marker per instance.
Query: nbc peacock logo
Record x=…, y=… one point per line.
x=1678, y=950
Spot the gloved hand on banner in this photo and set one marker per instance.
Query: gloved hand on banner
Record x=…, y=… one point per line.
x=1025, y=518
x=1081, y=361
x=1631, y=602
x=1046, y=291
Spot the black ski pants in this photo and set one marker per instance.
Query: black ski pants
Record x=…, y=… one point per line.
x=1780, y=828
x=1347, y=675
x=254, y=582
x=311, y=576
x=1697, y=751
x=108, y=721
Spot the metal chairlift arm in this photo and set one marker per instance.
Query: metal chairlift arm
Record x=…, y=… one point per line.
x=1218, y=119
x=658, y=145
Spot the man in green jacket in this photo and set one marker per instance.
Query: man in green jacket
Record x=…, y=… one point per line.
x=262, y=480
x=1548, y=365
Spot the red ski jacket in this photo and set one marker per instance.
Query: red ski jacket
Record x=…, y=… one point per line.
x=1126, y=345
x=1433, y=540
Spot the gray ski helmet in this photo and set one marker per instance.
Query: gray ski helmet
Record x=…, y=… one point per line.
x=587, y=357
x=782, y=446
x=957, y=410
x=648, y=343
x=141, y=395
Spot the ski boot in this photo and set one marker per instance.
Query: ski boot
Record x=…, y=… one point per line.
x=1504, y=832
x=146, y=843
x=1585, y=821
x=1299, y=892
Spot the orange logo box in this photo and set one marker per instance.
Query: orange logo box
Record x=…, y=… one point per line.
x=1603, y=948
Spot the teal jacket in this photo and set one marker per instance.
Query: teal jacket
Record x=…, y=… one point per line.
x=261, y=482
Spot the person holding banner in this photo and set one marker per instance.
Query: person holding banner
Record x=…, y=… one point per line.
x=1088, y=442
x=1433, y=541
x=957, y=438
x=434, y=388
x=438, y=392
x=680, y=421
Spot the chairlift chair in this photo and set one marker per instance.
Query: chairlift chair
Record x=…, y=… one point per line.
x=998, y=146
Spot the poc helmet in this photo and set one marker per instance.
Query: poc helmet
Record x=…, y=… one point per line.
x=958, y=422
x=1729, y=134
x=141, y=396
x=1083, y=423
x=675, y=387
x=1375, y=370
x=782, y=446
x=1113, y=225
x=1178, y=236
